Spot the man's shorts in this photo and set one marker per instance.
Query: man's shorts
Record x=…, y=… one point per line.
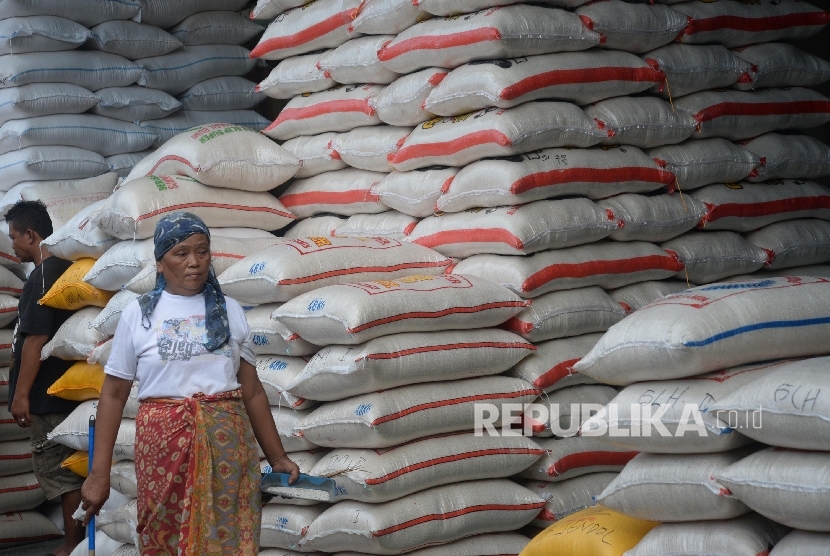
x=47, y=457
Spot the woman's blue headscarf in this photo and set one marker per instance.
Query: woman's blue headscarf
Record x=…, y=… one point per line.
x=170, y=231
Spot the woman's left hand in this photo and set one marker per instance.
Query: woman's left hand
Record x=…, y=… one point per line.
x=285, y=465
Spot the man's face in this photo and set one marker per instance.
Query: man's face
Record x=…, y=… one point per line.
x=22, y=243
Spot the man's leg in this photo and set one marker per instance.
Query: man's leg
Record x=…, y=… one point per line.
x=74, y=531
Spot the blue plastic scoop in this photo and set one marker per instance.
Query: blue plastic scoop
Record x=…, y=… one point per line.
x=306, y=487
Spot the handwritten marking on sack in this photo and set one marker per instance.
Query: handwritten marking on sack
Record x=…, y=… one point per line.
x=278, y=365
x=316, y=305
x=213, y=131
x=362, y=409
x=802, y=400
x=260, y=340
x=256, y=268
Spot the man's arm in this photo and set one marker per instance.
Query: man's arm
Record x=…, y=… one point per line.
x=29, y=368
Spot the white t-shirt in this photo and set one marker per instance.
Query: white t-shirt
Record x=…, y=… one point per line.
x=169, y=359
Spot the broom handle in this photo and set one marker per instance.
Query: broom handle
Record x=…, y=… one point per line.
x=90, y=528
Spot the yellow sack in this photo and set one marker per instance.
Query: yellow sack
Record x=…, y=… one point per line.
x=78, y=463
x=80, y=382
x=72, y=293
x=594, y=531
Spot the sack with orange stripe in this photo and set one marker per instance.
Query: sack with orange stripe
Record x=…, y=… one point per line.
x=6, y=338
x=20, y=493
x=295, y=76
x=10, y=284
x=414, y=193
x=382, y=475
x=346, y=192
x=568, y=497
x=652, y=218
x=569, y=407
x=637, y=296
x=296, y=266
x=788, y=156
x=8, y=309
x=699, y=162
x=15, y=455
x=711, y=256
x=315, y=153
x=315, y=226
x=402, y=101
x=390, y=225
x=369, y=148
x=574, y=456
x=549, y=368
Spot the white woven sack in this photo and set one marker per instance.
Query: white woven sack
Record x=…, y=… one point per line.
x=107, y=321
x=356, y=313
x=402, y=102
x=605, y=264
x=578, y=77
x=287, y=420
x=736, y=24
x=380, y=17
x=686, y=479
x=269, y=9
x=341, y=108
x=356, y=61
x=133, y=210
x=315, y=153
x=457, y=141
x=566, y=313
x=574, y=456
x=75, y=338
x=794, y=243
x=316, y=226
x=567, y=497
x=123, y=164
x=305, y=461
x=134, y=103
x=169, y=127
x=120, y=264
x=789, y=156
x=632, y=27
x=215, y=27
x=714, y=327
x=100, y=354
x=6, y=338
x=748, y=535
x=495, y=33
x=783, y=407
x=9, y=429
x=377, y=476
x=296, y=75
x=222, y=155
x=65, y=199
x=487, y=544
x=655, y=218
x=592, y=173
x=515, y=230
x=369, y=148
x=644, y=122
x=283, y=525
x=270, y=336
x=433, y=516
x=15, y=455
x=637, y=296
x=691, y=68
x=314, y=26
x=712, y=256
x=99, y=134
x=7, y=255
x=20, y=493
x=176, y=72
x=337, y=372
x=228, y=92
x=696, y=163
x=43, y=33
x=41, y=99
x=456, y=7
x=74, y=432
x=89, y=69
x=20, y=528
x=416, y=192
x=748, y=206
x=802, y=543
x=781, y=65
x=567, y=409
x=398, y=415
x=820, y=270
x=4, y=398
x=743, y=114
x=132, y=40
x=296, y=266
x=275, y=372
x=344, y=192
x=85, y=12
x=549, y=367
x=123, y=479
x=8, y=309
x=390, y=225
x=165, y=14
x=78, y=238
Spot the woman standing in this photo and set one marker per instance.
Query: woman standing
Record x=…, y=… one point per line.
x=196, y=460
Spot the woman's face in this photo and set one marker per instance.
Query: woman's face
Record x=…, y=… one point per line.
x=185, y=267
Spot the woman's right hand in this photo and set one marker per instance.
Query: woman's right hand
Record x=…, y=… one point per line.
x=94, y=493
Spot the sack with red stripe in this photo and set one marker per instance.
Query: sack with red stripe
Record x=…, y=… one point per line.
x=295, y=266
x=578, y=77
x=605, y=264
x=644, y=122
x=6, y=338
x=794, y=243
x=345, y=192
x=401, y=103
x=592, y=173
x=435, y=516
x=120, y=264
x=316, y=226
x=337, y=372
x=295, y=76
x=7, y=256
x=376, y=476
x=781, y=65
x=4, y=398
x=8, y=309
x=275, y=372
x=9, y=429
x=455, y=7
x=712, y=256
x=494, y=33
x=566, y=313
x=459, y=140
x=655, y=218
x=369, y=148
x=700, y=162
x=15, y=455
x=381, y=17
x=637, y=296
x=574, y=456
x=390, y=224
x=487, y=544
x=788, y=156
x=631, y=27
x=269, y=336
x=269, y=9
x=415, y=192
x=356, y=61
x=568, y=497
x=20, y=493
x=21, y=528
x=315, y=153
x=549, y=368
x=748, y=206
x=287, y=420
x=342, y=108
x=744, y=114
x=307, y=28
x=356, y=313
x=65, y=198
x=516, y=230
x=133, y=210
x=737, y=23
x=568, y=409
x=10, y=284
x=283, y=525
x=691, y=68
x=78, y=238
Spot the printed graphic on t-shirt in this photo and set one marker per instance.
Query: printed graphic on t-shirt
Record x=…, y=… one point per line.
x=183, y=339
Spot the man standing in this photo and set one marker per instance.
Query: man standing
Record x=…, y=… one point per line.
x=29, y=377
